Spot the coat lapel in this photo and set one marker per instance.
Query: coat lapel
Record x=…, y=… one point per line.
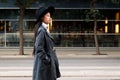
x=48, y=34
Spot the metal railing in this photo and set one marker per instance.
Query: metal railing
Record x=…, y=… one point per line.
x=63, y=39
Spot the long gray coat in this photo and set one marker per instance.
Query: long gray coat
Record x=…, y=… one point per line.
x=46, y=66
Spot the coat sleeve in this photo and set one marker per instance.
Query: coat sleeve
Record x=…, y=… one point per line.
x=40, y=47
x=40, y=43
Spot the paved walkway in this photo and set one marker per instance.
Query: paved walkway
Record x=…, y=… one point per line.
x=93, y=71
x=66, y=52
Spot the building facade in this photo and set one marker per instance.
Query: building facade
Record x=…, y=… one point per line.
x=72, y=24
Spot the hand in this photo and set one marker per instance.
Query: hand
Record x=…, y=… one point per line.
x=46, y=59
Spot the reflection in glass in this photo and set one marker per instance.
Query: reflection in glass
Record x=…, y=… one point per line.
x=2, y=39
x=116, y=28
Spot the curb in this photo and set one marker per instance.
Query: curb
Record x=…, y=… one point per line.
x=64, y=56
x=16, y=56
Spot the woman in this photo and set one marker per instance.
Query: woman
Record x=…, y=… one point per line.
x=46, y=65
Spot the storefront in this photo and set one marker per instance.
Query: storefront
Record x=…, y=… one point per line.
x=71, y=26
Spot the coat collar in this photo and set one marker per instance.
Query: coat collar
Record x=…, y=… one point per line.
x=47, y=33
x=45, y=25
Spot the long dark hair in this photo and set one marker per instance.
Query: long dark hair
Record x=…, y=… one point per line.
x=36, y=27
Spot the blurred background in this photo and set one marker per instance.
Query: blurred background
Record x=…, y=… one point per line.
x=72, y=24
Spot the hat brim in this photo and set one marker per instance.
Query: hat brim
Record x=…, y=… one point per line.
x=50, y=9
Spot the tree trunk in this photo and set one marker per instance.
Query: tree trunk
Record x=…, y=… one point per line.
x=21, y=44
x=95, y=36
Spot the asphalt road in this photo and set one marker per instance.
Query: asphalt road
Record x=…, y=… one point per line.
x=62, y=78
x=66, y=65
x=26, y=62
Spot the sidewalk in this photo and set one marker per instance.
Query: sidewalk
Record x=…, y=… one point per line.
x=76, y=71
x=66, y=53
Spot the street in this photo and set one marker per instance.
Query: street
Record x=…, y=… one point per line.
x=62, y=78
x=71, y=68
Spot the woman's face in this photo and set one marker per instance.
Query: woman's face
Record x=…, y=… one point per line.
x=46, y=18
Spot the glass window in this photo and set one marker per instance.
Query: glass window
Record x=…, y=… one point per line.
x=15, y=13
x=84, y=14
x=81, y=34
x=2, y=39
x=12, y=36
x=9, y=14
x=67, y=14
x=28, y=26
x=70, y=28
x=30, y=14
x=12, y=39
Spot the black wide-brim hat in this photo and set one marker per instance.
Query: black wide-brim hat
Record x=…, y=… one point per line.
x=42, y=11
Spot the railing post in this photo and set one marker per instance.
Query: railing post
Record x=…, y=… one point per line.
x=5, y=32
